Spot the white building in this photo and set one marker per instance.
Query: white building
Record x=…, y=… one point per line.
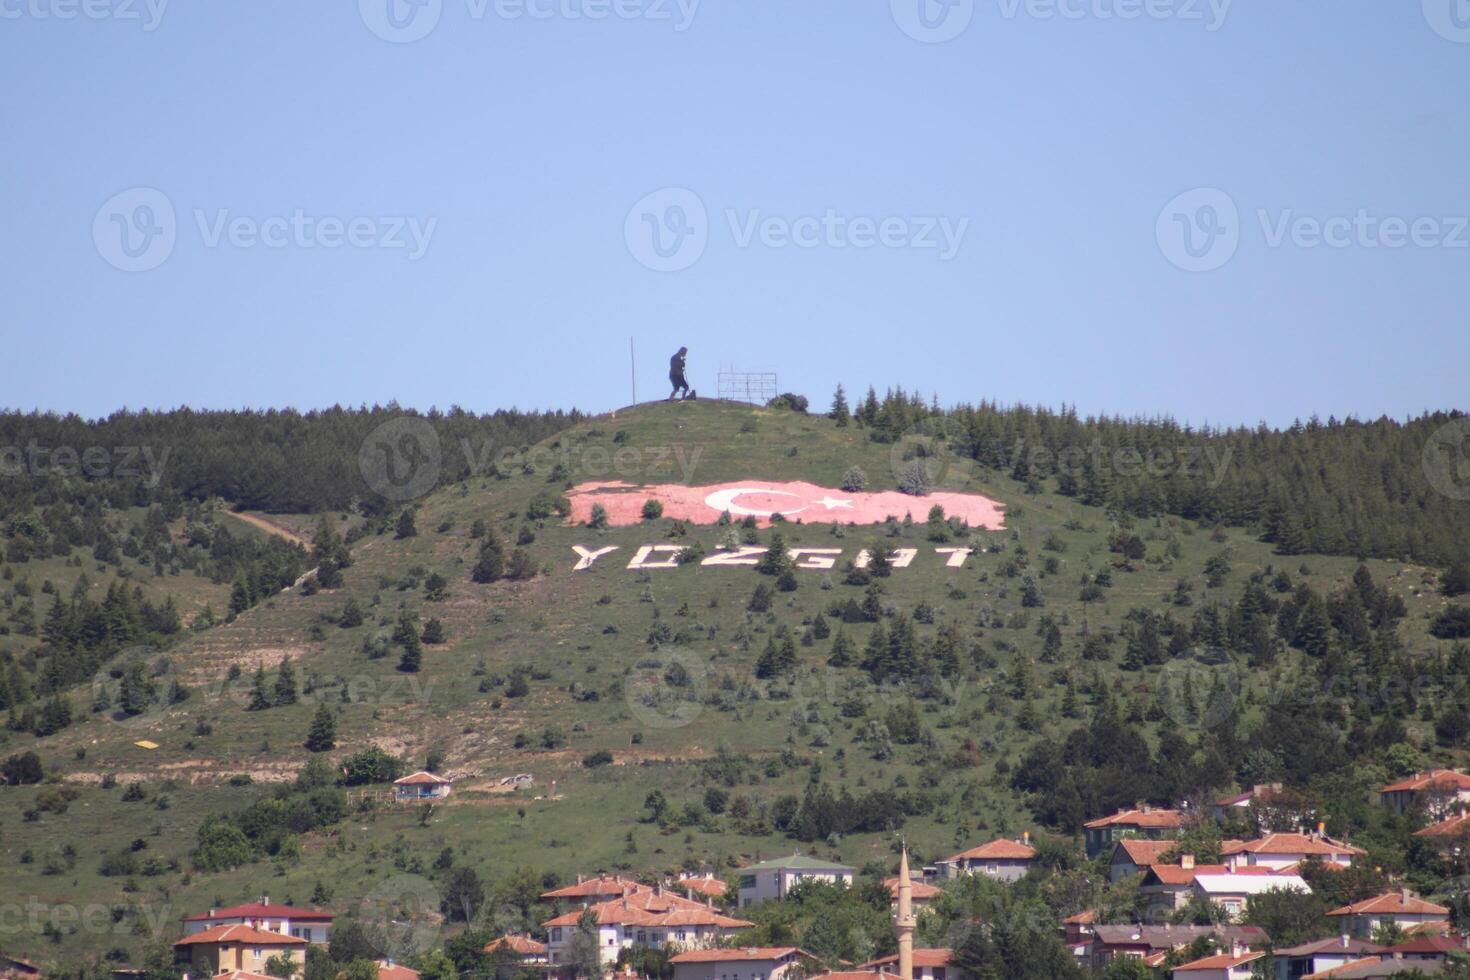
x=775, y=879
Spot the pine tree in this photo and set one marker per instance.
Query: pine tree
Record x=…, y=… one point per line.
x=285, y=683
x=491, y=565
x=260, y=694
x=775, y=561
x=413, y=655
x=406, y=528
x=841, y=650
x=840, y=412
x=323, y=734
x=137, y=689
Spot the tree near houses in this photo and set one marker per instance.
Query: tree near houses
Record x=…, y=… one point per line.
x=582, y=957
x=323, y=734
x=463, y=895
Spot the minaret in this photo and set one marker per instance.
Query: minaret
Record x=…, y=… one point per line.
x=903, y=926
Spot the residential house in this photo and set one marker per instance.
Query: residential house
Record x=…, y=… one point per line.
x=1451, y=835
x=776, y=878
x=1004, y=860
x=1428, y=948
x=1378, y=968
x=516, y=949
x=221, y=949
x=423, y=786
x=929, y=964
x=1148, y=942
x=1135, y=856
x=1078, y=931
x=1295, y=962
x=749, y=963
x=703, y=886
x=313, y=925
x=590, y=891
x=1170, y=887
x=1278, y=851
x=1439, y=791
x=921, y=893
x=1402, y=908
x=650, y=918
x=1237, y=964
x=1239, y=804
x=388, y=970
x=1144, y=821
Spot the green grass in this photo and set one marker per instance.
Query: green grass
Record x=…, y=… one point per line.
x=576, y=643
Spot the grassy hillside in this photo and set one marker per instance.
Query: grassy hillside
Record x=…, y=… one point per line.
x=595, y=648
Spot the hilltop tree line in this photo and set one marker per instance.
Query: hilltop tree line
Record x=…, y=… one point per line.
x=1336, y=487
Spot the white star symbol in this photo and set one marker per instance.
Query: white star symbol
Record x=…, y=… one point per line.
x=829, y=503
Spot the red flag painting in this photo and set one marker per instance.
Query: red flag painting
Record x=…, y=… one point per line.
x=805, y=502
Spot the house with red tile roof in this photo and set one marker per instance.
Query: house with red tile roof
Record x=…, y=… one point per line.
x=221, y=949
x=652, y=918
x=921, y=892
x=1143, y=821
x=1280, y=851
x=1239, y=803
x=521, y=950
x=1151, y=943
x=1004, y=860
x=1169, y=887
x=590, y=891
x=1236, y=964
x=1439, y=791
x=313, y=925
x=1319, y=956
x=748, y=963
x=929, y=964
x=419, y=786
x=1377, y=968
x=388, y=970
x=703, y=886
x=1402, y=908
x=1135, y=856
x=1451, y=834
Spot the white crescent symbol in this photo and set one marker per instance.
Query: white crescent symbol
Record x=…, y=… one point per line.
x=723, y=500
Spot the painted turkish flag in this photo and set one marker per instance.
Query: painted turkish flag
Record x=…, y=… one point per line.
x=805, y=502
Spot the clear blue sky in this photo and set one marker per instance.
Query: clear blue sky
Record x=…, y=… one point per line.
x=526, y=142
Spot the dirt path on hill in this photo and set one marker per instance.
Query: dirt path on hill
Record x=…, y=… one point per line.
x=269, y=527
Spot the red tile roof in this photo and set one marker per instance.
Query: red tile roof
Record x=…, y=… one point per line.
x=650, y=908
x=743, y=955
x=1151, y=819
x=396, y=971
x=704, y=885
x=1145, y=853
x=931, y=958
x=1433, y=779
x=1453, y=827
x=1428, y=944
x=420, y=779
x=997, y=850
x=1084, y=918
x=520, y=945
x=1220, y=961
x=255, y=910
x=1304, y=844
x=593, y=887
x=921, y=891
x=240, y=934
x=1392, y=903
x=1174, y=874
